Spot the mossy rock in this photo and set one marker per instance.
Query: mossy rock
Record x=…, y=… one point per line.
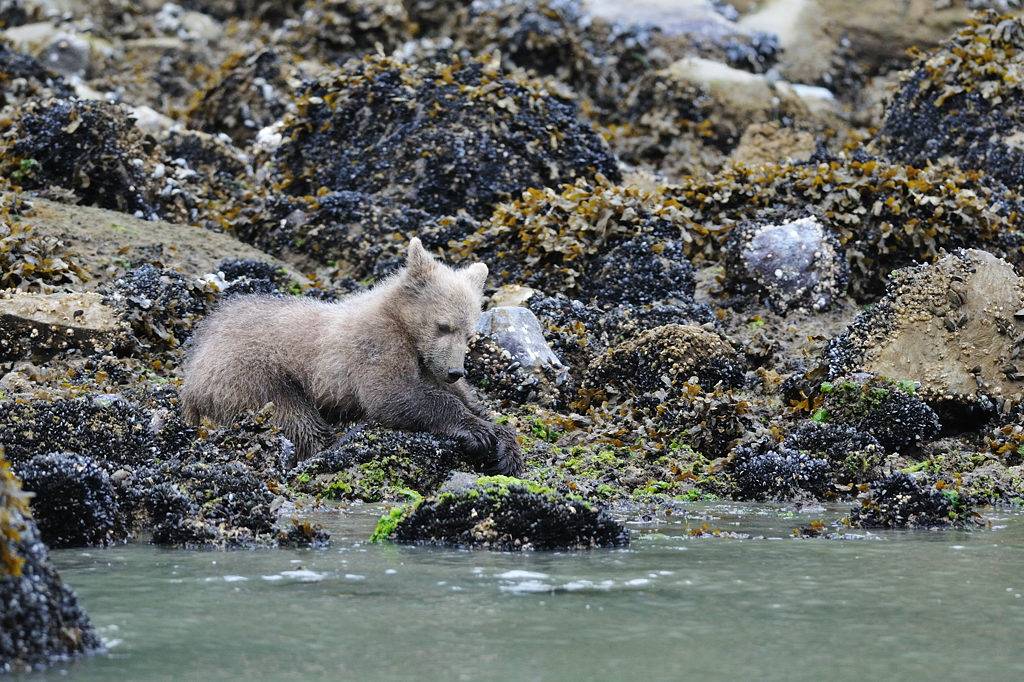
x=503, y=513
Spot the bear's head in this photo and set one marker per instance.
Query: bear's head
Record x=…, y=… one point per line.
x=440, y=308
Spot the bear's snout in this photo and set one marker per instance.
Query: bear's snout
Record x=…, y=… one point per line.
x=454, y=375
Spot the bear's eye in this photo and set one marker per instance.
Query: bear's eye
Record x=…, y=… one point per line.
x=443, y=328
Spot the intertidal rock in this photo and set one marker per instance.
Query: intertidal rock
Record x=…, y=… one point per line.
x=43, y=325
x=956, y=327
x=517, y=330
x=963, y=101
x=502, y=513
x=791, y=264
x=73, y=501
x=902, y=501
x=41, y=622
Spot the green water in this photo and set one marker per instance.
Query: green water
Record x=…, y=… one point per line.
x=907, y=605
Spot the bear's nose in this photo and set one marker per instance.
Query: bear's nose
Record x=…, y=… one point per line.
x=454, y=375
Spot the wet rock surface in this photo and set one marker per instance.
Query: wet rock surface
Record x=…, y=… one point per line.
x=505, y=514
x=41, y=620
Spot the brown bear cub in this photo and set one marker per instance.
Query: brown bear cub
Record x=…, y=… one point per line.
x=391, y=355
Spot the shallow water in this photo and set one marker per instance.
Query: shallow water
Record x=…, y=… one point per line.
x=917, y=605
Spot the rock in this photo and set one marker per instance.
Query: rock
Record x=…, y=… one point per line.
x=73, y=501
x=885, y=215
x=790, y=264
x=161, y=306
x=44, y=325
x=488, y=138
x=591, y=240
x=953, y=327
x=854, y=456
x=373, y=463
x=663, y=359
x=771, y=142
x=41, y=622
x=511, y=295
x=495, y=371
x=24, y=77
x=889, y=411
x=816, y=34
x=247, y=95
x=901, y=501
x=92, y=148
x=67, y=54
x=518, y=331
x=505, y=514
x=98, y=237
x=964, y=101
x=770, y=471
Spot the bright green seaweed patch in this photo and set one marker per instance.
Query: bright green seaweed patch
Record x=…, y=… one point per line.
x=389, y=521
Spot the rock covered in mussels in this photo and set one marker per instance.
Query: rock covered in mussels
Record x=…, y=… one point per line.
x=457, y=136
x=902, y=501
x=963, y=101
x=73, y=501
x=41, y=622
x=502, y=513
x=593, y=240
x=885, y=215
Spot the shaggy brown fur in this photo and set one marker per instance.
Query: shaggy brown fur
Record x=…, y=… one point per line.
x=393, y=355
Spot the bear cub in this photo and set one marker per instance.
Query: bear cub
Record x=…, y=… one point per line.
x=392, y=355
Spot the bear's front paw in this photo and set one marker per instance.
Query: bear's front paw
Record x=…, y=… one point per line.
x=509, y=457
x=476, y=437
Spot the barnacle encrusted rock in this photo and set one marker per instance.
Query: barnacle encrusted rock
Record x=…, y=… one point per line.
x=663, y=359
x=441, y=138
x=40, y=620
x=503, y=513
x=789, y=264
x=592, y=240
x=964, y=101
x=42, y=325
x=956, y=327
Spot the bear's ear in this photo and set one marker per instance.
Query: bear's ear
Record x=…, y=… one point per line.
x=476, y=274
x=419, y=261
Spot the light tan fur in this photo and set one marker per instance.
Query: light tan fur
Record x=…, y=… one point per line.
x=393, y=355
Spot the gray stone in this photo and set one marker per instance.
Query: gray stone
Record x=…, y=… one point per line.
x=518, y=331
